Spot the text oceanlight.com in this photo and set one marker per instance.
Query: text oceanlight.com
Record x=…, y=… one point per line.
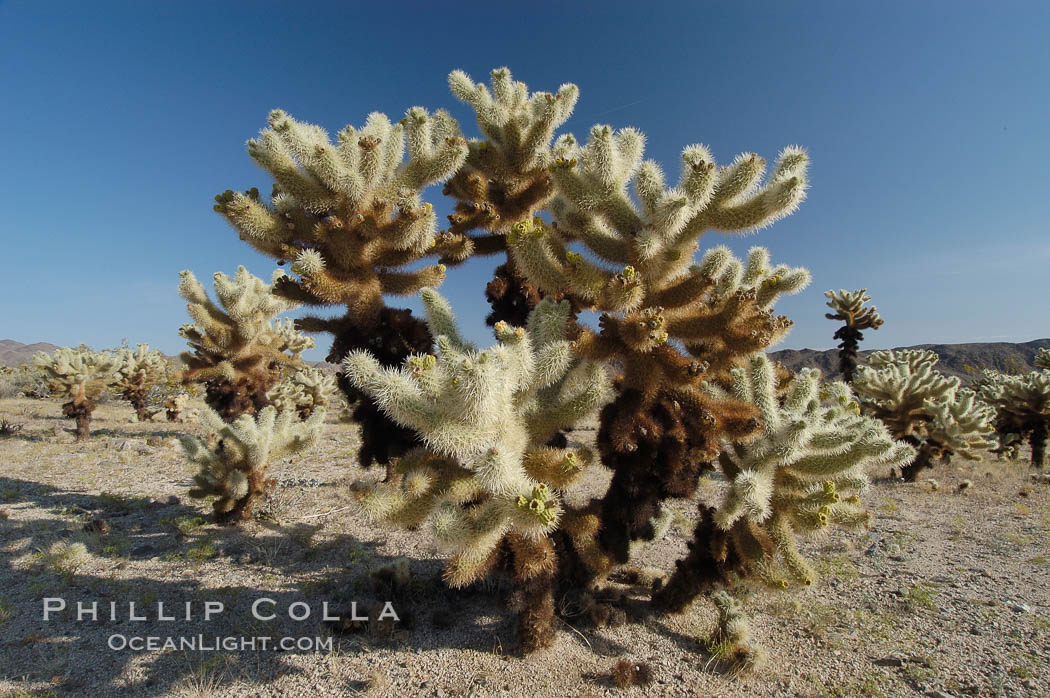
x=214, y=643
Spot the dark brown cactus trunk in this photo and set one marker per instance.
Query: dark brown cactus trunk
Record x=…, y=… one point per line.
x=137, y=398
x=698, y=573
x=80, y=410
x=848, y=347
x=533, y=568
x=655, y=461
x=923, y=460
x=396, y=336
x=511, y=296
x=231, y=400
x=1037, y=440
x=242, y=510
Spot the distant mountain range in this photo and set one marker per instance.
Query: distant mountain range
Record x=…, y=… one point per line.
x=955, y=358
x=13, y=353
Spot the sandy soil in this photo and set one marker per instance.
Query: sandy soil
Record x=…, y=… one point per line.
x=946, y=594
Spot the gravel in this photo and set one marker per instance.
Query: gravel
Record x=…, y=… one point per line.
x=946, y=594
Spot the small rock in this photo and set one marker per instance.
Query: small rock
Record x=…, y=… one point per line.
x=889, y=661
x=1029, y=684
x=155, y=441
x=1020, y=607
x=123, y=445
x=149, y=500
x=173, y=500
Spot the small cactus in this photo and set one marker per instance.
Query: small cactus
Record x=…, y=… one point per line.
x=849, y=308
x=80, y=375
x=233, y=461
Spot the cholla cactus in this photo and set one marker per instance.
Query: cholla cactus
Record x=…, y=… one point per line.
x=140, y=370
x=238, y=349
x=849, y=308
x=923, y=407
x=661, y=431
x=174, y=406
x=505, y=178
x=305, y=391
x=350, y=217
x=80, y=375
x=800, y=474
x=1008, y=430
x=732, y=637
x=1022, y=406
x=234, y=468
x=1042, y=359
x=486, y=481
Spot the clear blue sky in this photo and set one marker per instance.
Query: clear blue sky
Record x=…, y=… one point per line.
x=928, y=124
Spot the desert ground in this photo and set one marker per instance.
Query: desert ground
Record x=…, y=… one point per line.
x=946, y=594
